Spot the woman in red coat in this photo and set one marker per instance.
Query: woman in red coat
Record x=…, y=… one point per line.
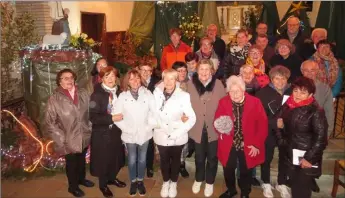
x=241, y=123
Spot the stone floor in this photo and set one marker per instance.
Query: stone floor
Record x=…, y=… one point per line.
x=56, y=186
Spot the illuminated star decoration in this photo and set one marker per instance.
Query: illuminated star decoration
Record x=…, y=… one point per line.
x=297, y=7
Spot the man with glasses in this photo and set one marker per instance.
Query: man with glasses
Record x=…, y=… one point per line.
x=323, y=96
x=294, y=34
x=150, y=80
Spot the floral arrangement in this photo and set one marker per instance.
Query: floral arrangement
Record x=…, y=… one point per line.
x=190, y=26
x=81, y=41
x=125, y=51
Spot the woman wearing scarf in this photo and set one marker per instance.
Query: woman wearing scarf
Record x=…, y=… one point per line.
x=206, y=51
x=272, y=97
x=67, y=124
x=107, y=156
x=328, y=65
x=255, y=59
x=237, y=54
x=171, y=133
x=242, y=135
x=137, y=105
x=205, y=91
x=303, y=131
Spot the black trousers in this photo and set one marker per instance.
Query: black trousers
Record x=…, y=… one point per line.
x=266, y=166
x=245, y=173
x=75, y=169
x=206, y=152
x=170, y=162
x=300, y=183
x=282, y=166
x=150, y=155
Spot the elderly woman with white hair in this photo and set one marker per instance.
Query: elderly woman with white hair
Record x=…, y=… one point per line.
x=242, y=135
x=171, y=133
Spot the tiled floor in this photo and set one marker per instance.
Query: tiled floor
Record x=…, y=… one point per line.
x=56, y=186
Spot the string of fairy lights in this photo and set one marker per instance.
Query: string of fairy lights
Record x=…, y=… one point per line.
x=45, y=159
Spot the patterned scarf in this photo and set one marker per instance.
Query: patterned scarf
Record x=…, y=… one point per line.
x=112, y=97
x=237, y=110
x=326, y=74
x=292, y=104
x=238, y=52
x=135, y=94
x=258, y=69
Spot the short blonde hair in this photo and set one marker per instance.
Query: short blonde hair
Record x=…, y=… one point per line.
x=170, y=72
x=206, y=62
x=235, y=81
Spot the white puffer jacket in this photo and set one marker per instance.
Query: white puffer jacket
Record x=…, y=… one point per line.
x=138, y=116
x=171, y=131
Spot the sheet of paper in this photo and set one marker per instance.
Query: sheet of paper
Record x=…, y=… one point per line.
x=285, y=97
x=297, y=155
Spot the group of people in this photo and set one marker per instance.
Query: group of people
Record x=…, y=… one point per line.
x=234, y=106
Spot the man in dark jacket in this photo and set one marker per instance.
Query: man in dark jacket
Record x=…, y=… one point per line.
x=309, y=46
x=268, y=51
x=294, y=34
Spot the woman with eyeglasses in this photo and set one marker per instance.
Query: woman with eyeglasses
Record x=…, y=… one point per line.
x=150, y=80
x=241, y=135
x=67, y=124
x=171, y=133
x=286, y=56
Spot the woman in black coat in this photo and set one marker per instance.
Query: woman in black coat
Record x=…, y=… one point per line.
x=107, y=153
x=302, y=128
x=286, y=56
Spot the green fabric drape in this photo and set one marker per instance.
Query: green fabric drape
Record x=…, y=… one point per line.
x=142, y=23
x=331, y=17
x=207, y=10
x=270, y=16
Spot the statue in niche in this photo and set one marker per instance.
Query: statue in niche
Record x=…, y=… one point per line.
x=62, y=25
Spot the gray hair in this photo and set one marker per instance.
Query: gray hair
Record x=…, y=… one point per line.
x=245, y=66
x=323, y=30
x=235, y=81
x=279, y=70
x=309, y=62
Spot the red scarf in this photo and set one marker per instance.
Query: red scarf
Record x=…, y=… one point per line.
x=292, y=104
x=66, y=92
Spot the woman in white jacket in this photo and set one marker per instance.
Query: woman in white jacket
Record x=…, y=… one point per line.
x=171, y=133
x=137, y=105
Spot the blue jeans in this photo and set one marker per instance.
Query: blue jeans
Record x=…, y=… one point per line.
x=238, y=171
x=137, y=161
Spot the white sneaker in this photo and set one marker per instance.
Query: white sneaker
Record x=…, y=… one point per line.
x=165, y=189
x=284, y=191
x=196, y=187
x=172, y=189
x=267, y=190
x=208, y=190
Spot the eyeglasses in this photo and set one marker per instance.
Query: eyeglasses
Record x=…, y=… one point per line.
x=67, y=78
x=182, y=71
x=293, y=25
